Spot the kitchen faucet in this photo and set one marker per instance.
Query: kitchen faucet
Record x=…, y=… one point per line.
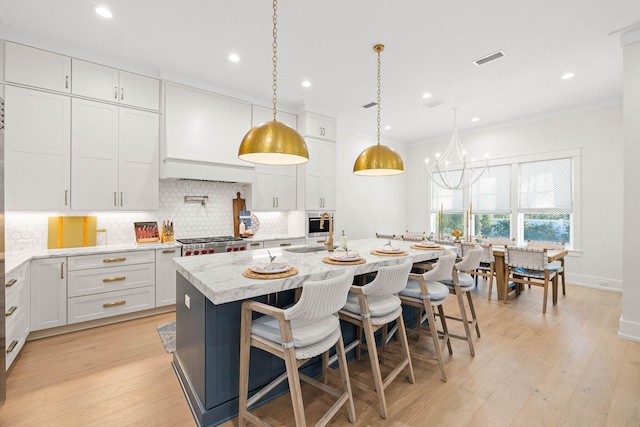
x=329, y=241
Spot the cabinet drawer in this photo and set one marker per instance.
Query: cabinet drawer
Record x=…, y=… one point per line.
x=14, y=304
x=100, y=280
x=283, y=243
x=108, y=304
x=254, y=245
x=14, y=278
x=84, y=262
x=16, y=337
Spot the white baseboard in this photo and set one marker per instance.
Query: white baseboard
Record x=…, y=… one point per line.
x=629, y=330
x=603, y=283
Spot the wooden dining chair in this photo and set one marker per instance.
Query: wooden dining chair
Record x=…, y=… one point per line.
x=560, y=262
x=296, y=334
x=530, y=266
x=372, y=307
x=426, y=293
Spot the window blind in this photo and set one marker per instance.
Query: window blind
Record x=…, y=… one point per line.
x=450, y=200
x=546, y=186
x=491, y=194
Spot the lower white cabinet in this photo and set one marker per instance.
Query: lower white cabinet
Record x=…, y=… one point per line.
x=254, y=245
x=48, y=293
x=106, y=285
x=17, y=301
x=283, y=243
x=166, y=276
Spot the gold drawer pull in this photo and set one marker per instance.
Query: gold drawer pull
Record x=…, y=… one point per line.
x=113, y=304
x=114, y=279
x=10, y=311
x=255, y=244
x=13, y=345
x=285, y=244
x=114, y=260
x=10, y=283
x=169, y=251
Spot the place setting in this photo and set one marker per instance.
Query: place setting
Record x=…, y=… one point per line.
x=427, y=245
x=271, y=270
x=389, y=249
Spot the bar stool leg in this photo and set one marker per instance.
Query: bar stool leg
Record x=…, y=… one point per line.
x=434, y=335
x=375, y=367
x=294, y=386
x=405, y=347
x=344, y=375
x=463, y=316
x=473, y=313
x=245, y=353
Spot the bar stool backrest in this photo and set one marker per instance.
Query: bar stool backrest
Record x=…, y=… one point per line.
x=389, y=280
x=321, y=298
x=471, y=261
x=443, y=269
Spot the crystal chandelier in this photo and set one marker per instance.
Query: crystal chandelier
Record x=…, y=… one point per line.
x=453, y=170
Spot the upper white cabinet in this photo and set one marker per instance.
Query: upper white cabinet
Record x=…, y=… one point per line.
x=274, y=187
x=35, y=67
x=317, y=126
x=114, y=157
x=37, y=150
x=320, y=175
x=109, y=84
x=203, y=127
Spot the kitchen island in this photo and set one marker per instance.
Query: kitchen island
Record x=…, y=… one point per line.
x=210, y=292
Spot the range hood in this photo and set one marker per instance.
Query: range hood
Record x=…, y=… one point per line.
x=171, y=168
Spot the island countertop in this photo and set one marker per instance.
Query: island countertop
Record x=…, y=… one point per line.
x=219, y=278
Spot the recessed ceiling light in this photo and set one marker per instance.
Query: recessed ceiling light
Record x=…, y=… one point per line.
x=475, y=119
x=426, y=95
x=306, y=83
x=104, y=12
x=567, y=76
x=234, y=58
x=387, y=127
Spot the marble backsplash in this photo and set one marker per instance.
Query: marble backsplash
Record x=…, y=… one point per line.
x=28, y=230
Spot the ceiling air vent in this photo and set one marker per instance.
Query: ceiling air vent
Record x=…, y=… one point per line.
x=434, y=104
x=369, y=105
x=489, y=58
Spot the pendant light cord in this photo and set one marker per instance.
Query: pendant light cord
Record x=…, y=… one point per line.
x=275, y=57
x=378, y=100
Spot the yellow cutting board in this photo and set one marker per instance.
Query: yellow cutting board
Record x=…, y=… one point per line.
x=71, y=231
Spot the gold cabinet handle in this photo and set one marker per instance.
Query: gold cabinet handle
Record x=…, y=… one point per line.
x=255, y=244
x=121, y=198
x=114, y=260
x=115, y=92
x=115, y=199
x=13, y=345
x=169, y=251
x=62, y=270
x=115, y=279
x=10, y=283
x=66, y=197
x=66, y=82
x=11, y=311
x=113, y=304
x=285, y=244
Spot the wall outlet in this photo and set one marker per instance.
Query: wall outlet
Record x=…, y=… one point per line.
x=187, y=301
x=604, y=283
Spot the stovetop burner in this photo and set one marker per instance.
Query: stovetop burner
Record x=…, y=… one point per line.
x=215, y=239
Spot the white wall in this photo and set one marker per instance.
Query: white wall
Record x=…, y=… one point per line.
x=366, y=204
x=599, y=135
x=630, y=319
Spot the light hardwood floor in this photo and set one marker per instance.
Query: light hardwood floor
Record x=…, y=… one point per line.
x=567, y=368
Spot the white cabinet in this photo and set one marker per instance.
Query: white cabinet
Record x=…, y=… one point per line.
x=114, y=157
x=166, y=276
x=254, y=245
x=48, y=293
x=320, y=175
x=283, y=243
x=109, y=84
x=274, y=187
x=37, y=150
x=17, y=312
x=35, y=67
x=317, y=126
x=107, y=285
x=204, y=129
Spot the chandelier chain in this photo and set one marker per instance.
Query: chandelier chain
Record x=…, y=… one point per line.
x=275, y=57
x=378, y=100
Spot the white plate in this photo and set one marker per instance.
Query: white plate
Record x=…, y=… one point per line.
x=429, y=245
x=389, y=249
x=345, y=257
x=270, y=269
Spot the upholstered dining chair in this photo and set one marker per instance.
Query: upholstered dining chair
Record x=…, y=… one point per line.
x=296, y=334
x=560, y=262
x=530, y=266
x=426, y=293
x=461, y=284
x=374, y=306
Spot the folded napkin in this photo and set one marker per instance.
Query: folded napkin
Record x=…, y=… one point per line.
x=345, y=255
x=388, y=248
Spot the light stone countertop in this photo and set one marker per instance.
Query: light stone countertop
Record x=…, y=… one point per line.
x=220, y=278
x=15, y=260
x=270, y=237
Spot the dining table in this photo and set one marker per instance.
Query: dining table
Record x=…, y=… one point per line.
x=501, y=269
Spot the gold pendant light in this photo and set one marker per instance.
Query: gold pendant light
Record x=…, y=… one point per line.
x=378, y=160
x=273, y=142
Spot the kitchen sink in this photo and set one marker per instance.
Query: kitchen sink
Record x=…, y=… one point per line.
x=305, y=249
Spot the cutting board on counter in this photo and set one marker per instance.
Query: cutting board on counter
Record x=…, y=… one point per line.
x=238, y=206
x=71, y=231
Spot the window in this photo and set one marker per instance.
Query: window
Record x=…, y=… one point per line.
x=491, y=202
x=451, y=202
